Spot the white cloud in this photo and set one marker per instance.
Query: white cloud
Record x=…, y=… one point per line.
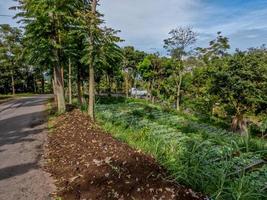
x=145, y=23
x=244, y=30
x=250, y=20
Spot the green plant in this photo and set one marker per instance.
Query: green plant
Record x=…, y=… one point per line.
x=196, y=154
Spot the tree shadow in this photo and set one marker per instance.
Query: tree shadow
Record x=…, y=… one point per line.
x=19, y=137
x=26, y=102
x=22, y=128
x=18, y=128
x=16, y=170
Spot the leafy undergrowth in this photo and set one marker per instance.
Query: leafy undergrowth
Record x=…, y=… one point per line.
x=208, y=159
x=4, y=98
x=88, y=163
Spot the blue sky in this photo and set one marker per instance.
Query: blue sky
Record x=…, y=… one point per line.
x=146, y=23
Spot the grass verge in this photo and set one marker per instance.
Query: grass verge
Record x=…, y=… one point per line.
x=208, y=159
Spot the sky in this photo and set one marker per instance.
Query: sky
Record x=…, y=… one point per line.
x=146, y=23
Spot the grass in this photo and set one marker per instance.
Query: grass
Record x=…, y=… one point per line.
x=4, y=98
x=207, y=158
x=52, y=114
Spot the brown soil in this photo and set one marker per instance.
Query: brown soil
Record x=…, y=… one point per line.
x=88, y=163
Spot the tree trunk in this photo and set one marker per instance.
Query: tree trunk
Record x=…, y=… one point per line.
x=127, y=85
x=91, y=91
x=34, y=85
x=151, y=91
x=58, y=69
x=70, y=86
x=62, y=76
x=79, y=85
x=43, y=84
x=239, y=124
x=59, y=82
x=109, y=85
x=179, y=92
x=54, y=90
x=153, y=100
x=148, y=91
x=54, y=84
x=91, y=64
x=13, y=83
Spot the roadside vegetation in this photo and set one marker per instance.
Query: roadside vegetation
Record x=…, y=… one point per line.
x=97, y=166
x=197, y=154
x=202, y=113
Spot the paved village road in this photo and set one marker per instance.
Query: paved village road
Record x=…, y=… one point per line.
x=22, y=136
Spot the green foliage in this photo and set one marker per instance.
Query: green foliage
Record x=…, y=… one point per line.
x=12, y=64
x=196, y=154
x=217, y=87
x=180, y=39
x=242, y=83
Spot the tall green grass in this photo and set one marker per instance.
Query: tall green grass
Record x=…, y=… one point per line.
x=208, y=159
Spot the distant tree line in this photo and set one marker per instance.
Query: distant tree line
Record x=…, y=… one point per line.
x=65, y=47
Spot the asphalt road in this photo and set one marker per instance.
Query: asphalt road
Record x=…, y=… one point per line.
x=22, y=136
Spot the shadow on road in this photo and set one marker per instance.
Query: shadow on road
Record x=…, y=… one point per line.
x=18, y=137
x=22, y=135
x=25, y=102
x=16, y=170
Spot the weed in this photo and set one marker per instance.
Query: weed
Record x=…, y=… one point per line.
x=195, y=153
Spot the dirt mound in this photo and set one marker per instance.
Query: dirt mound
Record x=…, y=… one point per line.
x=88, y=163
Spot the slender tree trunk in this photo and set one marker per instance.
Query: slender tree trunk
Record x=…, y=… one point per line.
x=91, y=65
x=239, y=124
x=148, y=91
x=62, y=76
x=179, y=92
x=60, y=90
x=13, y=83
x=79, y=85
x=43, y=84
x=54, y=90
x=54, y=80
x=109, y=85
x=70, y=86
x=91, y=89
x=116, y=84
x=134, y=85
x=91, y=92
x=34, y=85
x=153, y=100
x=151, y=91
x=127, y=85
x=59, y=70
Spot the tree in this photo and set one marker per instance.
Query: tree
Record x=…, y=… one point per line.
x=100, y=46
x=91, y=62
x=131, y=59
x=180, y=39
x=10, y=51
x=46, y=25
x=242, y=86
x=217, y=49
x=149, y=69
x=210, y=60
x=110, y=57
x=70, y=82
